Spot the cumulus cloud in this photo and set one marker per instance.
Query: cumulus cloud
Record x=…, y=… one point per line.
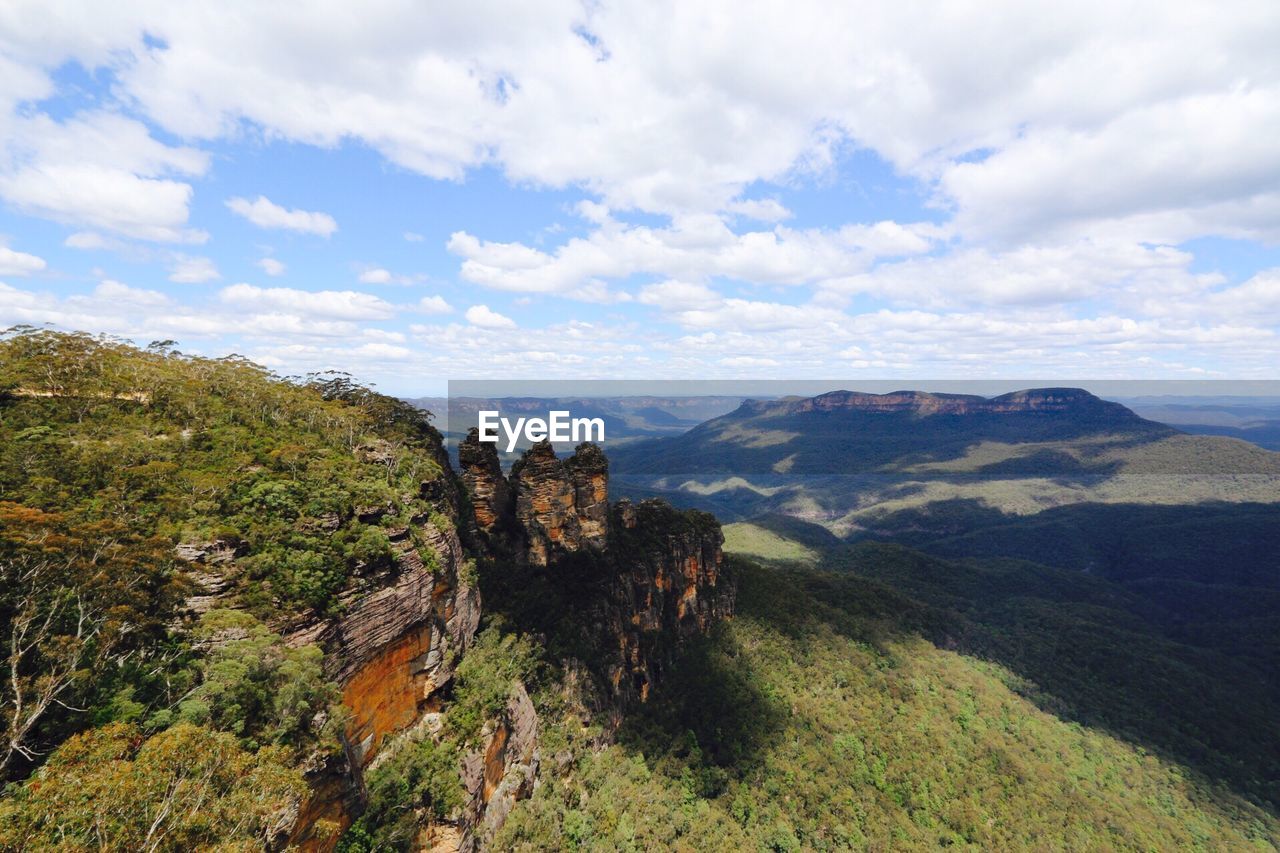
x=90, y=240
x=100, y=170
x=265, y=213
x=338, y=304
x=118, y=292
x=764, y=209
x=19, y=263
x=434, y=305
x=378, y=275
x=189, y=270
x=485, y=318
x=1066, y=152
x=271, y=266
x=692, y=248
x=678, y=295
x=1117, y=271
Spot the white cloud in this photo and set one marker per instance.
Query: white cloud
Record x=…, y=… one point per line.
x=434, y=305
x=1066, y=150
x=265, y=213
x=1116, y=271
x=338, y=304
x=763, y=209
x=90, y=240
x=189, y=270
x=117, y=292
x=746, y=315
x=678, y=295
x=482, y=316
x=378, y=275
x=682, y=122
x=413, y=237
x=19, y=263
x=692, y=248
x=1190, y=154
x=271, y=266
x=100, y=170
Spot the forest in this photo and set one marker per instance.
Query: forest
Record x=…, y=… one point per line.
x=865, y=695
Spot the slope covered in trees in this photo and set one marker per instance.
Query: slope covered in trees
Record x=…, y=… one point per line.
x=112, y=461
x=829, y=714
x=165, y=519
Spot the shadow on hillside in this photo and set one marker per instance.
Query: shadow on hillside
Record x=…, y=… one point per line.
x=1099, y=651
x=712, y=710
x=708, y=707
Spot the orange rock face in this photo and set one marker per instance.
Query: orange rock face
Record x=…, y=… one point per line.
x=387, y=694
x=391, y=652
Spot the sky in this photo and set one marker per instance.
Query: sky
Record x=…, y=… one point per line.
x=415, y=192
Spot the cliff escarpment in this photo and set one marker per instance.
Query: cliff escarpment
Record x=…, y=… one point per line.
x=393, y=652
x=612, y=591
x=626, y=584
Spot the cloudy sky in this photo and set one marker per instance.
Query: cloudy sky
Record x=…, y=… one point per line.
x=416, y=192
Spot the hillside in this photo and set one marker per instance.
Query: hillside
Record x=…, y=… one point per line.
x=242, y=612
x=843, y=459
x=830, y=714
x=245, y=611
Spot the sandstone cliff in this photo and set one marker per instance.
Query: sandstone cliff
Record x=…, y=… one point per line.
x=643, y=578
x=658, y=569
x=391, y=653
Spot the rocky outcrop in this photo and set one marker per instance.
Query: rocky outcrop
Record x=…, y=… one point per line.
x=654, y=578
x=548, y=508
x=589, y=474
x=391, y=653
x=670, y=588
x=504, y=772
x=545, y=504
x=659, y=569
x=481, y=473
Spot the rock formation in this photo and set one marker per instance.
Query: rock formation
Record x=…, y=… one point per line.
x=660, y=567
x=549, y=507
x=481, y=473
x=655, y=580
x=506, y=771
x=669, y=588
x=391, y=653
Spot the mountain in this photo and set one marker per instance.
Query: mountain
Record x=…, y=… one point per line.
x=850, y=432
x=240, y=612
x=844, y=458
x=286, y=591
x=1252, y=419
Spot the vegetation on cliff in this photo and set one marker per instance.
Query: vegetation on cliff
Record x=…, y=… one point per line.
x=167, y=524
x=138, y=486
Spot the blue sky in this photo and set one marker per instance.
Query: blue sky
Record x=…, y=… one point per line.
x=720, y=191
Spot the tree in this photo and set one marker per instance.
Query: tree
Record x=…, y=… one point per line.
x=71, y=596
x=184, y=788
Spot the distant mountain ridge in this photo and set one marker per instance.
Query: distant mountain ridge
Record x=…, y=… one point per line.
x=853, y=432
x=1056, y=400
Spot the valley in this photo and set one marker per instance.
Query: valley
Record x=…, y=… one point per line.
x=280, y=614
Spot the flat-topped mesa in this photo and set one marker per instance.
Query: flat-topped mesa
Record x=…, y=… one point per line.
x=1075, y=401
x=562, y=506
